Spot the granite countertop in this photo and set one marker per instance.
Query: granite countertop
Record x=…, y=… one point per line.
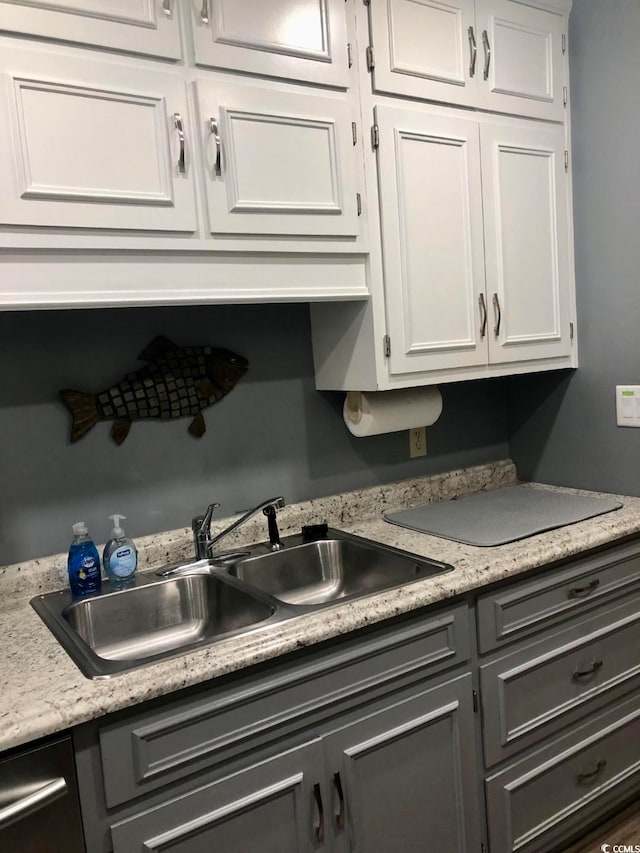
x=42, y=691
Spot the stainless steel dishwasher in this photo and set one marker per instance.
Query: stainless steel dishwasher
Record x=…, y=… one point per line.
x=39, y=808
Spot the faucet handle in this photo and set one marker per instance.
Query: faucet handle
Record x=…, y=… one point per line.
x=201, y=523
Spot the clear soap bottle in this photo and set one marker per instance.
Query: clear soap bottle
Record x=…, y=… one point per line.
x=120, y=556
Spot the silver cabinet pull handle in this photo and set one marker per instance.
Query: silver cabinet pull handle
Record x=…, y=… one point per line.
x=591, y=776
x=25, y=806
x=215, y=132
x=204, y=12
x=337, y=781
x=583, y=591
x=177, y=122
x=487, y=54
x=319, y=828
x=473, y=52
x=166, y=7
x=483, y=316
x=582, y=674
x=498, y=313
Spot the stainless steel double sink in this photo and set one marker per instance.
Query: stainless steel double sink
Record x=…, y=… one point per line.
x=197, y=603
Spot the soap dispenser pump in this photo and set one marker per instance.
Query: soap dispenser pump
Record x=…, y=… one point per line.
x=120, y=557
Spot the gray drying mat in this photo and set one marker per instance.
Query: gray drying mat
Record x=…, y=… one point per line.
x=501, y=515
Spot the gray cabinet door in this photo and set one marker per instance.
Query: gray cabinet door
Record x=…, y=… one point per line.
x=274, y=806
x=404, y=778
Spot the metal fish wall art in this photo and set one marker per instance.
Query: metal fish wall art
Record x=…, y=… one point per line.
x=176, y=382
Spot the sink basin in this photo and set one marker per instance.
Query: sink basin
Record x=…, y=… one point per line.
x=114, y=631
x=188, y=606
x=330, y=570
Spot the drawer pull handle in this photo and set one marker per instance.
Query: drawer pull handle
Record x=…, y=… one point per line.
x=498, y=314
x=204, y=12
x=337, y=781
x=319, y=829
x=166, y=7
x=583, y=591
x=177, y=123
x=581, y=674
x=591, y=776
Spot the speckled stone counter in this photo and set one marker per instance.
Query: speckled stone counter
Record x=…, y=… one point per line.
x=42, y=691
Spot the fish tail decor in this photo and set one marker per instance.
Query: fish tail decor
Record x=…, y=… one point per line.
x=175, y=382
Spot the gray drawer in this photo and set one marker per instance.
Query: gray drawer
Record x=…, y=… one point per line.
x=539, y=688
x=529, y=606
x=153, y=748
x=535, y=804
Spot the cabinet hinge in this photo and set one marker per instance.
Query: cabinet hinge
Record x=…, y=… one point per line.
x=366, y=2
x=475, y=701
x=350, y=53
x=387, y=346
x=359, y=203
x=570, y=331
x=566, y=161
x=371, y=64
x=354, y=132
x=564, y=42
x=565, y=96
x=375, y=136
x=483, y=849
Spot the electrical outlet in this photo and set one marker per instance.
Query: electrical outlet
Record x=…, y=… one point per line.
x=417, y=442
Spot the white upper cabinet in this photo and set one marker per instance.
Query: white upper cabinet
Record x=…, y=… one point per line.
x=527, y=241
x=293, y=39
x=431, y=206
x=499, y=55
x=86, y=144
x=136, y=26
x=277, y=161
x=462, y=198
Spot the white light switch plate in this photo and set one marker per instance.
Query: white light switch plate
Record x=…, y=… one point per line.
x=628, y=405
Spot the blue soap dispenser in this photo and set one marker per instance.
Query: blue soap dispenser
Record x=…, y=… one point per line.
x=83, y=562
x=120, y=557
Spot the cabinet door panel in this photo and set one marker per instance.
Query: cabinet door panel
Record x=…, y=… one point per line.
x=430, y=197
x=294, y=39
x=136, y=26
x=407, y=776
x=286, y=161
x=522, y=56
x=93, y=148
x=423, y=49
x=527, y=241
x=268, y=807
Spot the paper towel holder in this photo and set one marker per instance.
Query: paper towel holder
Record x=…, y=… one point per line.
x=374, y=412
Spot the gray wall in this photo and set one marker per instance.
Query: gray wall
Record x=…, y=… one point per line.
x=273, y=434
x=562, y=426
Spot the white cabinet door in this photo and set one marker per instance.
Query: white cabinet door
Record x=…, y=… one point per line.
x=527, y=241
x=277, y=161
x=424, y=49
x=93, y=145
x=293, y=39
x=520, y=59
x=499, y=55
x=136, y=26
x=431, y=208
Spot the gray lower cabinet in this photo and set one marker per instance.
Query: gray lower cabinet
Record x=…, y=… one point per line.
x=366, y=744
x=559, y=671
x=402, y=778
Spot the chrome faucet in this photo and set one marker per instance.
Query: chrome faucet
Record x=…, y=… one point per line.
x=201, y=526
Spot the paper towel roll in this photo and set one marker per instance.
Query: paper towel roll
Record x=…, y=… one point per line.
x=375, y=412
